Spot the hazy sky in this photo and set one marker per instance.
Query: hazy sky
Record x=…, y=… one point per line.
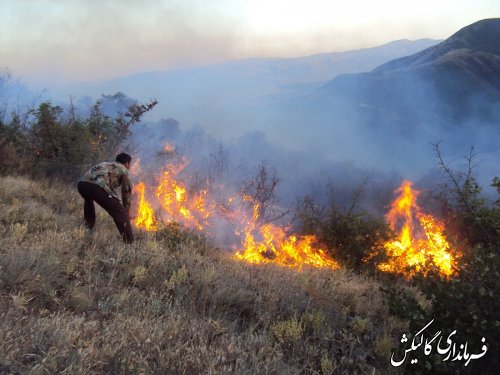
x=61, y=40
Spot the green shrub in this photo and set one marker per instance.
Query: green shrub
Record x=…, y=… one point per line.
x=351, y=237
x=47, y=143
x=288, y=332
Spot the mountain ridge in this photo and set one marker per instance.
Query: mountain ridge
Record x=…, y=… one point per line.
x=392, y=114
x=469, y=38
x=461, y=77
x=191, y=94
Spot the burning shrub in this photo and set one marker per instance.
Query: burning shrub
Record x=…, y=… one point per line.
x=211, y=208
x=421, y=245
x=467, y=302
x=262, y=190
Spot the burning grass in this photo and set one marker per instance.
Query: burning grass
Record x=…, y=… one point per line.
x=79, y=302
x=421, y=244
x=254, y=241
x=271, y=244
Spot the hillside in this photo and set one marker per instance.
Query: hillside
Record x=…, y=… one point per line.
x=79, y=302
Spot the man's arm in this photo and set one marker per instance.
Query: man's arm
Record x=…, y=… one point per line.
x=126, y=191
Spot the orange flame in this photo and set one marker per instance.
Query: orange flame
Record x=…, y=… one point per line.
x=421, y=243
x=268, y=243
x=179, y=205
x=168, y=148
x=260, y=243
x=172, y=196
x=275, y=246
x=145, y=214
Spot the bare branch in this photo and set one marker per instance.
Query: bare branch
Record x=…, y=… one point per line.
x=262, y=189
x=358, y=193
x=136, y=111
x=454, y=179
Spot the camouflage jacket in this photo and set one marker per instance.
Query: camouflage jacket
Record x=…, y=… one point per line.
x=110, y=175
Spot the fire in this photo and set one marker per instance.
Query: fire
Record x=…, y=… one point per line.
x=268, y=243
x=271, y=244
x=145, y=215
x=169, y=148
x=178, y=205
x=421, y=242
x=259, y=243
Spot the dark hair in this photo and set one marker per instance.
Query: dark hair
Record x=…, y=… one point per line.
x=123, y=158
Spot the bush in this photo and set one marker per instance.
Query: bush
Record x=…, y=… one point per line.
x=48, y=143
x=351, y=237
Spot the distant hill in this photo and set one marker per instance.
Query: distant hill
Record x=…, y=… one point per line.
x=389, y=116
x=218, y=94
x=455, y=81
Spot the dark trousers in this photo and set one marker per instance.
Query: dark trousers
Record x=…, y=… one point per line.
x=92, y=192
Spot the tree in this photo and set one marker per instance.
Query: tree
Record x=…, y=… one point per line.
x=45, y=133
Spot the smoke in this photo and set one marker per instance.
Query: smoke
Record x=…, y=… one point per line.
x=229, y=188
x=92, y=40
x=368, y=129
x=15, y=97
x=359, y=133
x=235, y=165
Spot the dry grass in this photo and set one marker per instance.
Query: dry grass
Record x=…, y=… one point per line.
x=79, y=302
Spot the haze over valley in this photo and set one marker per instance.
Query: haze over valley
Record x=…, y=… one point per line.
x=356, y=112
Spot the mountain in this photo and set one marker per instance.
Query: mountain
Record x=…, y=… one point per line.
x=389, y=117
x=218, y=95
x=453, y=82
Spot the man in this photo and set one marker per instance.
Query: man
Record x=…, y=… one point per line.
x=99, y=184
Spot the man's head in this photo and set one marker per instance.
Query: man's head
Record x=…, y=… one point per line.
x=124, y=159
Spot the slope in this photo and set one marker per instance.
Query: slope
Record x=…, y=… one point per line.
x=78, y=302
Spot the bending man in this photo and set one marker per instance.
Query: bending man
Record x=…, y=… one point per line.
x=99, y=184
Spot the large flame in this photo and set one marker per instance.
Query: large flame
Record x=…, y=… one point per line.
x=178, y=205
x=421, y=243
x=145, y=214
x=271, y=244
x=259, y=242
x=268, y=243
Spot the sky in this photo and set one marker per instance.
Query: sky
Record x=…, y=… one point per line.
x=62, y=41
